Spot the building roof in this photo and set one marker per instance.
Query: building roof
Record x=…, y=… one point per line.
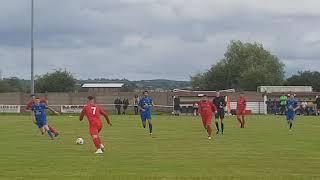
x=272, y=89
x=102, y=85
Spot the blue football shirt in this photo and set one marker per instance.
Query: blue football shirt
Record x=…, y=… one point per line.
x=146, y=104
x=291, y=105
x=40, y=111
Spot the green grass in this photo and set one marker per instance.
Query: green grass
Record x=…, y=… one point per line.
x=178, y=149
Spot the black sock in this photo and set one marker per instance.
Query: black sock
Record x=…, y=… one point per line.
x=217, y=125
x=150, y=128
x=222, y=127
x=290, y=125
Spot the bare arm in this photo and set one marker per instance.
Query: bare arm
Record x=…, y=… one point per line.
x=33, y=117
x=83, y=112
x=52, y=110
x=105, y=115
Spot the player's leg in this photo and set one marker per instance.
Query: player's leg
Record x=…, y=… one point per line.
x=203, y=118
x=41, y=128
x=46, y=128
x=222, y=114
x=290, y=117
x=216, y=117
x=148, y=117
x=222, y=125
x=239, y=119
x=243, y=120
x=209, y=126
x=143, y=120
x=150, y=126
x=94, y=132
x=101, y=144
x=55, y=132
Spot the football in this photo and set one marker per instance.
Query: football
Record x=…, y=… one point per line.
x=79, y=141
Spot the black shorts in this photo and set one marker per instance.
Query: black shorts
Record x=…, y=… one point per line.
x=220, y=114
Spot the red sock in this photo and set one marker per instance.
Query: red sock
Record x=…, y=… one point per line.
x=97, y=142
x=209, y=130
x=53, y=130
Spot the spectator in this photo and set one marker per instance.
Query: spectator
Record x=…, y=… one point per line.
x=283, y=103
x=275, y=107
x=195, y=109
x=318, y=105
x=304, y=105
x=269, y=106
x=136, y=104
x=117, y=104
x=176, y=106
x=125, y=105
x=310, y=107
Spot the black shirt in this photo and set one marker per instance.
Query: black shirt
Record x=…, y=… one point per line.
x=176, y=102
x=219, y=102
x=318, y=101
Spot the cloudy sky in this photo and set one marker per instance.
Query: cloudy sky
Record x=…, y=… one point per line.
x=148, y=39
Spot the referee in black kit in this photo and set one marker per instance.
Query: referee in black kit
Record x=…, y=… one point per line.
x=220, y=103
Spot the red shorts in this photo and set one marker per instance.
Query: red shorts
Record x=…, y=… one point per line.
x=207, y=120
x=95, y=129
x=241, y=112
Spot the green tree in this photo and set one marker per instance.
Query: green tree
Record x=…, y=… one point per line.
x=12, y=84
x=4, y=86
x=58, y=81
x=305, y=78
x=244, y=66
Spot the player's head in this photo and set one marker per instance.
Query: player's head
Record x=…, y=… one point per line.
x=37, y=100
x=291, y=96
x=136, y=96
x=241, y=94
x=145, y=93
x=90, y=99
x=204, y=97
x=218, y=94
x=32, y=96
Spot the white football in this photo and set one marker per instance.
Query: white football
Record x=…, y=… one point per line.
x=80, y=141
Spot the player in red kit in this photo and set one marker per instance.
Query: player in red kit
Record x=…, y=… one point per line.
x=241, y=109
x=42, y=101
x=93, y=112
x=206, y=109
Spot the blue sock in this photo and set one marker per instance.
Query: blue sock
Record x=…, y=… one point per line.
x=150, y=128
x=50, y=134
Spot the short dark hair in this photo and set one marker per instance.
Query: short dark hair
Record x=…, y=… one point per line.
x=37, y=97
x=204, y=95
x=145, y=91
x=90, y=98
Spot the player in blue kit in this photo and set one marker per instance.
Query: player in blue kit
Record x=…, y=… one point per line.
x=292, y=106
x=145, y=106
x=39, y=116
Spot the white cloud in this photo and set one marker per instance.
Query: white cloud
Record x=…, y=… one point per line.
x=143, y=39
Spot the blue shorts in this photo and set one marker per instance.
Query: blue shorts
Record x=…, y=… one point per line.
x=145, y=116
x=290, y=116
x=41, y=122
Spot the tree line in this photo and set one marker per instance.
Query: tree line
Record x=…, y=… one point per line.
x=64, y=81
x=245, y=66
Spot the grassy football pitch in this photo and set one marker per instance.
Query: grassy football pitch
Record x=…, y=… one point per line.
x=179, y=149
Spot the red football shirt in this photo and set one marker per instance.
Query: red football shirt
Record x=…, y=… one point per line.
x=206, y=108
x=241, y=104
x=31, y=102
x=93, y=113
